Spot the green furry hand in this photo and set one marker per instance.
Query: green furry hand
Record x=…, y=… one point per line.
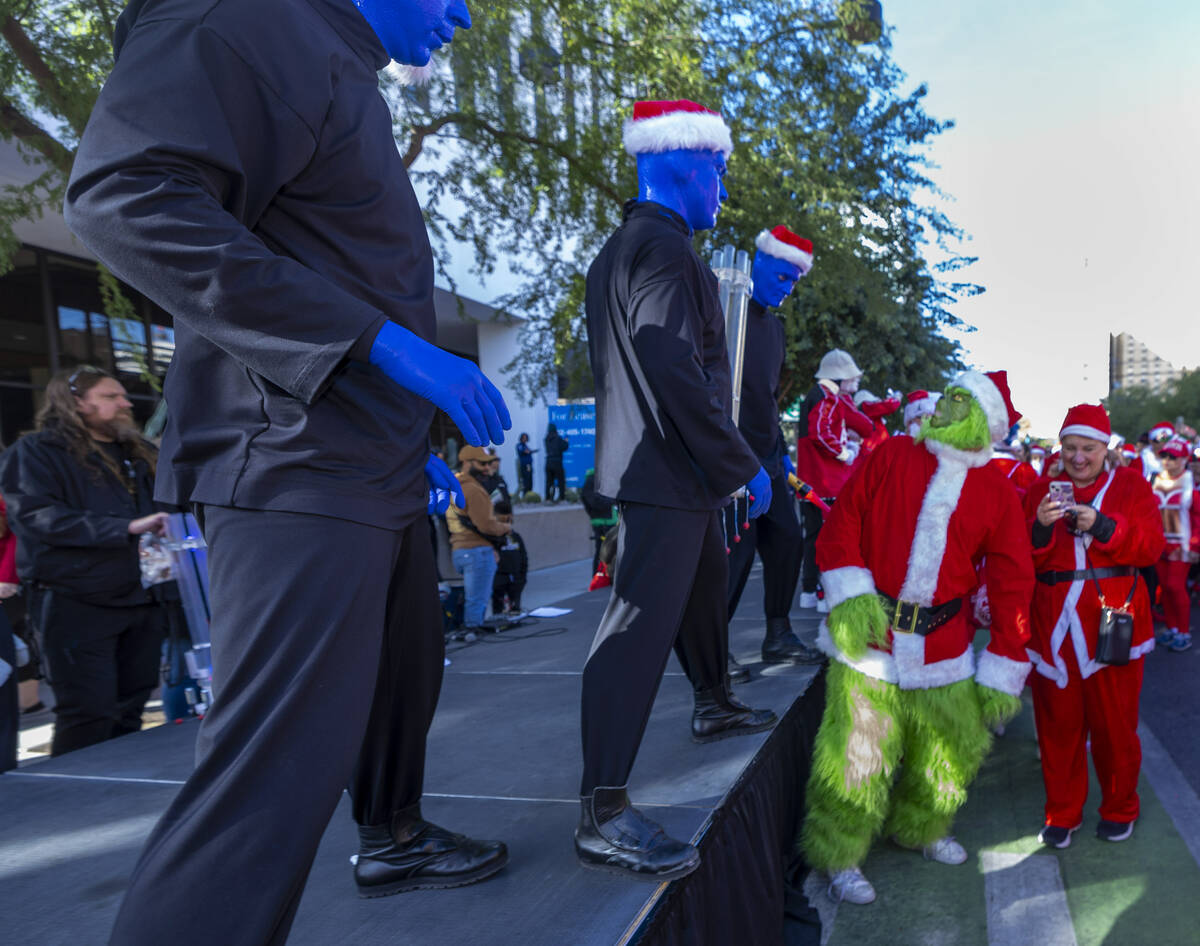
x=857, y=622
x=996, y=708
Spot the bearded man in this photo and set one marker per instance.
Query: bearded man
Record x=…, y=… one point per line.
x=80, y=493
x=898, y=560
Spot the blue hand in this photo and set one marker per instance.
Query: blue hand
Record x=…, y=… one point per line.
x=760, y=489
x=443, y=485
x=454, y=384
x=789, y=468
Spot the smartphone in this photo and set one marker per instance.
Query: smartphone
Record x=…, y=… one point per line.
x=1062, y=493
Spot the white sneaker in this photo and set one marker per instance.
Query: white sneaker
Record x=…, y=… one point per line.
x=851, y=886
x=823, y=605
x=808, y=599
x=945, y=851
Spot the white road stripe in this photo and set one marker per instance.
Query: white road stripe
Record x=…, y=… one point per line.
x=96, y=778
x=1026, y=902
x=1173, y=790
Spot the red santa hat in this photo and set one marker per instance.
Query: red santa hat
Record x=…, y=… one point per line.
x=1087, y=420
x=781, y=243
x=1176, y=448
x=919, y=404
x=681, y=125
x=1161, y=431
x=991, y=391
x=1130, y=450
x=1037, y=451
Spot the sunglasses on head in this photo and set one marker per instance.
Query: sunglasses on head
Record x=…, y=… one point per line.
x=82, y=369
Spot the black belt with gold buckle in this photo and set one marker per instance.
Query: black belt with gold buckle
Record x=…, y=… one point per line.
x=905, y=617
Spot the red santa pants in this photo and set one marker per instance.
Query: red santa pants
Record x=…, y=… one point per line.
x=1172, y=578
x=1104, y=706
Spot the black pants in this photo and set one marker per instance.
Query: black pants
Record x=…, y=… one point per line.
x=101, y=663
x=327, y=658
x=669, y=590
x=525, y=476
x=778, y=538
x=810, y=516
x=556, y=477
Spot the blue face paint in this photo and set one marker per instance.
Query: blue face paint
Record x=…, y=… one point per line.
x=774, y=279
x=689, y=182
x=411, y=30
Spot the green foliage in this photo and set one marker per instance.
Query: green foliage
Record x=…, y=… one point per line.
x=1136, y=410
x=120, y=312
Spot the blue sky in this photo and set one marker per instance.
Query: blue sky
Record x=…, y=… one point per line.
x=1073, y=168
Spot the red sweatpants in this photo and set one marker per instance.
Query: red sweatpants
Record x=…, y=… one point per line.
x=1172, y=578
x=1104, y=706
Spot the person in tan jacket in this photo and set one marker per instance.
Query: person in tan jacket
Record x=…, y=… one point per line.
x=471, y=529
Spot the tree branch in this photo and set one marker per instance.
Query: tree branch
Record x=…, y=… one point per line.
x=13, y=121
x=40, y=71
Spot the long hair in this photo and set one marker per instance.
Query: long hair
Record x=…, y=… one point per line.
x=59, y=415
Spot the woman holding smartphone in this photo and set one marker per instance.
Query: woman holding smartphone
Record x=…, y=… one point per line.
x=1092, y=529
x=1174, y=489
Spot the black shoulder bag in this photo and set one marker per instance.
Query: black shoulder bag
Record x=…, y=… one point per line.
x=1115, y=638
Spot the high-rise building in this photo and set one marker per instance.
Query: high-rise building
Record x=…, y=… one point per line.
x=1132, y=365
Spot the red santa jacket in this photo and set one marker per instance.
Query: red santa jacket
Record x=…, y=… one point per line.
x=1021, y=475
x=1074, y=607
x=913, y=523
x=822, y=459
x=1180, y=515
x=8, y=549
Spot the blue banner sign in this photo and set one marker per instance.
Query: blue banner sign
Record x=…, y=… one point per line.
x=577, y=423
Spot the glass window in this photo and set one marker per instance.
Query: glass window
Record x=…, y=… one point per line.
x=162, y=343
x=24, y=347
x=102, y=349
x=73, y=336
x=128, y=344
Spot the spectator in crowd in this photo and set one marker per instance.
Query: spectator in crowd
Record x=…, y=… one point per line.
x=1174, y=490
x=917, y=406
x=525, y=464
x=556, y=476
x=1037, y=458
x=512, y=564
x=1087, y=547
x=876, y=410
x=80, y=493
x=824, y=458
x=10, y=704
x=472, y=534
x=603, y=514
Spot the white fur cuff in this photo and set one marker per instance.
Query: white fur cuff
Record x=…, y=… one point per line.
x=1002, y=673
x=851, y=581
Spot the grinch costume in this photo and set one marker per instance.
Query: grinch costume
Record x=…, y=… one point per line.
x=907, y=711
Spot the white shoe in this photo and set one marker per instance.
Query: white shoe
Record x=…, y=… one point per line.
x=851, y=886
x=945, y=851
x=823, y=605
x=808, y=599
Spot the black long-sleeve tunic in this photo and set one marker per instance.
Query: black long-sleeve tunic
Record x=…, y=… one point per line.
x=758, y=417
x=656, y=336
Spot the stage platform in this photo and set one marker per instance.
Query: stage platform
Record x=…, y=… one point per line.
x=503, y=763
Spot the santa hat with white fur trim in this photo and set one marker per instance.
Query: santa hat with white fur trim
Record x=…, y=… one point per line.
x=781, y=243
x=1087, y=420
x=991, y=391
x=919, y=404
x=681, y=125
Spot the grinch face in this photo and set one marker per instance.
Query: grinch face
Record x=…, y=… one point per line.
x=955, y=406
x=959, y=421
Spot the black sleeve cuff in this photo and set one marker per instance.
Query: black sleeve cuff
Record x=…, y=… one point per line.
x=1042, y=535
x=1103, y=528
x=361, y=349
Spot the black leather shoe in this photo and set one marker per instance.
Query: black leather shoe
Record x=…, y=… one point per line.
x=781, y=646
x=412, y=854
x=614, y=836
x=718, y=715
x=737, y=673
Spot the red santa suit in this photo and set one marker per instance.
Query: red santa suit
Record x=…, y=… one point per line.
x=1177, y=509
x=913, y=523
x=822, y=459
x=1074, y=695
x=1022, y=475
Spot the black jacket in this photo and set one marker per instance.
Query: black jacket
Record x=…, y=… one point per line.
x=758, y=418
x=239, y=169
x=72, y=521
x=656, y=336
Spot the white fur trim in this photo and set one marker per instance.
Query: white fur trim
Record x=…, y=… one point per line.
x=1142, y=649
x=678, y=131
x=929, y=541
x=1002, y=673
x=773, y=246
x=921, y=408
x=410, y=75
x=914, y=674
x=989, y=398
x=850, y=581
x=1083, y=430
x=876, y=664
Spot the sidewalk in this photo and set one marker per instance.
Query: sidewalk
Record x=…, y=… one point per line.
x=1015, y=892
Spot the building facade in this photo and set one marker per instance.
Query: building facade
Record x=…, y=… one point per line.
x=1132, y=365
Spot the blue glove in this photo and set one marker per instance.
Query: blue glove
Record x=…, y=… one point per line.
x=789, y=468
x=454, y=384
x=759, y=489
x=443, y=486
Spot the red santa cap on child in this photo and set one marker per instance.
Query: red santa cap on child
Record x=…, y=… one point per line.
x=1161, y=431
x=919, y=404
x=1175, y=447
x=781, y=243
x=991, y=391
x=681, y=125
x=1037, y=451
x=1087, y=420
